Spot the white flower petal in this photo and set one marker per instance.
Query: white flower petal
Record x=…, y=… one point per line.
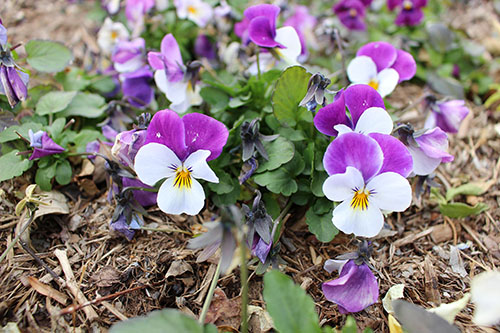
x=130, y=65
x=177, y=200
x=374, y=120
x=176, y=91
x=389, y=191
x=423, y=164
x=288, y=37
x=342, y=186
x=197, y=163
x=154, y=162
x=342, y=129
x=364, y=223
x=361, y=69
x=485, y=294
x=387, y=80
x=161, y=80
x=334, y=265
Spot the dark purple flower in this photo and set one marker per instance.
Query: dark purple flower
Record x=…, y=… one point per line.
x=128, y=56
x=262, y=26
x=261, y=249
x=351, y=13
x=13, y=82
x=411, y=11
x=204, y=48
x=127, y=229
x=136, y=87
x=357, y=99
x=354, y=290
x=446, y=115
x=144, y=198
x=43, y=145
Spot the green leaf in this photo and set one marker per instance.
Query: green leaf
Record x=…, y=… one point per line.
x=73, y=79
x=84, y=137
x=321, y=226
x=467, y=189
x=167, y=320
x=12, y=165
x=280, y=151
x=44, y=176
x=63, y=172
x=459, y=209
x=350, y=326
x=290, y=307
x=57, y=127
x=290, y=89
x=85, y=105
x=9, y=133
x=47, y=56
x=277, y=181
x=216, y=98
x=225, y=184
x=54, y=101
x=317, y=183
x=445, y=86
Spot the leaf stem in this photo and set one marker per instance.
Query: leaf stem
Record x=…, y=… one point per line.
x=279, y=219
x=210, y=294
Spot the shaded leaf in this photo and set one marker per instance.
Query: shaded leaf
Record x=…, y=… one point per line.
x=9, y=133
x=321, y=226
x=12, y=165
x=475, y=188
x=277, y=181
x=459, y=209
x=47, y=56
x=85, y=105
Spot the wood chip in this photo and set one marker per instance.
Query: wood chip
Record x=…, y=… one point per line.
x=431, y=282
x=46, y=290
x=412, y=237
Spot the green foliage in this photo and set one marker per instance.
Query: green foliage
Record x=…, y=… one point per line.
x=280, y=151
x=290, y=307
x=459, y=209
x=12, y=165
x=321, y=226
x=167, y=320
x=47, y=56
x=54, y=101
x=85, y=105
x=9, y=133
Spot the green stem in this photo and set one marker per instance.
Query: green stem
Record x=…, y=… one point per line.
x=278, y=222
x=258, y=64
x=139, y=188
x=210, y=294
x=244, y=287
x=14, y=241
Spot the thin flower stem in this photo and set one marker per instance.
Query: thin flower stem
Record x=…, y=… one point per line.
x=210, y=294
x=161, y=229
x=342, y=55
x=244, y=286
x=133, y=188
x=277, y=222
x=14, y=241
x=258, y=63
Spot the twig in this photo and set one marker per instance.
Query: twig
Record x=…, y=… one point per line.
x=74, y=308
x=14, y=241
x=56, y=277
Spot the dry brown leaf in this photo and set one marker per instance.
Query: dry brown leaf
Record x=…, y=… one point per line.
x=106, y=277
x=178, y=267
x=260, y=320
x=224, y=311
x=47, y=290
x=87, y=168
x=431, y=282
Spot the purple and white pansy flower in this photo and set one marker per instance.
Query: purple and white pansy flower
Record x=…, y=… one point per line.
x=176, y=151
x=355, y=289
x=172, y=77
x=410, y=14
x=367, y=174
x=351, y=13
x=381, y=66
x=197, y=11
x=110, y=34
x=447, y=115
x=366, y=108
x=128, y=56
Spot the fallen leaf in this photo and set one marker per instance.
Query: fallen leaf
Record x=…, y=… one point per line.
x=394, y=292
x=431, y=282
x=456, y=262
x=106, y=277
x=450, y=310
x=260, y=320
x=177, y=268
x=224, y=311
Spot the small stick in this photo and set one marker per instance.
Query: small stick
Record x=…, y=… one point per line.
x=73, y=308
x=56, y=277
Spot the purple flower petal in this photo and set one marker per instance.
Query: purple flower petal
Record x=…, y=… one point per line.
x=332, y=114
x=410, y=17
x=170, y=57
x=382, y=53
x=127, y=145
x=261, y=249
x=136, y=87
x=354, y=290
x=397, y=158
x=204, y=132
x=109, y=133
x=204, y=48
x=270, y=12
x=3, y=34
x=391, y=4
x=261, y=32
x=167, y=128
x=405, y=65
x=351, y=14
x=434, y=144
x=355, y=150
x=450, y=115
x=144, y=198
x=49, y=147
x=360, y=97
x=241, y=30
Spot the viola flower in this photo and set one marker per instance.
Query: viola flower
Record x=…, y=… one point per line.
x=43, y=145
x=194, y=10
x=381, y=66
x=304, y=23
x=428, y=148
x=127, y=229
x=446, y=115
x=356, y=288
x=411, y=11
x=259, y=24
x=13, y=82
x=136, y=87
x=351, y=13
x=367, y=175
x=126, y=146
x=173, y=78
x=315, y=92
x=110, y=34
x=204, y=48
x=357, y=98
x=3, y=34
x=135, y=11
x=259, y=224
x=177, y=151
x=251, y=140
x=128, y=56
x=111, y=6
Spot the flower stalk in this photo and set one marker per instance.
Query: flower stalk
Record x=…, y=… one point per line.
x=210, y=294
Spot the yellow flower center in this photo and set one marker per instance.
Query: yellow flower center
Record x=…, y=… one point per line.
x=407, y=5
x=114, y=35
x=192, y=10
x=353, y=12
x=182, y=178
x=373, y=83
x=360, y=199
